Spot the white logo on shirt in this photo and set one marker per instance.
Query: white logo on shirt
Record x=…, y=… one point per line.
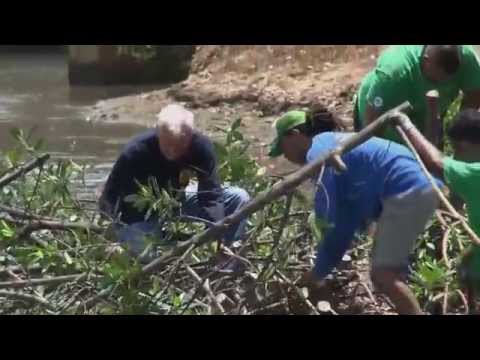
x=378, y=102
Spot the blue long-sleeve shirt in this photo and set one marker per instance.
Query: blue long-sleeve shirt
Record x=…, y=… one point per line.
x=377, y=169
x=141, y=159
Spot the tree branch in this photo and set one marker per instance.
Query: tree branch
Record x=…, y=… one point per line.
x=36, y=225
x=278, y=236
x=298, y=292
x=23, y=214
x=24, y=169
x=47, y=281
x=206, y=288
x=28, y=298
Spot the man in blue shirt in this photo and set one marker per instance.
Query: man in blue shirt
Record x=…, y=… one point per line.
x=383, y=182
x=169, y=154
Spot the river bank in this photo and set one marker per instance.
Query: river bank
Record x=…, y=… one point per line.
x=219, y=93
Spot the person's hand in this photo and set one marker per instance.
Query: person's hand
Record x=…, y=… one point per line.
x=403, y=121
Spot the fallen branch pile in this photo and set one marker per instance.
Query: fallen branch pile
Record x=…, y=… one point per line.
x=77, y=271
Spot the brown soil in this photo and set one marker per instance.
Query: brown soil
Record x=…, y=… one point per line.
x=258, y=80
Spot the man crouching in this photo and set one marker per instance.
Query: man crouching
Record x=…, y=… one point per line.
x=165, y=154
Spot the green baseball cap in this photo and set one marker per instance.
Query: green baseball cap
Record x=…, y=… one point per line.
x=283, y=125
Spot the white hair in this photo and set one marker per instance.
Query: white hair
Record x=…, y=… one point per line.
x=176, y=120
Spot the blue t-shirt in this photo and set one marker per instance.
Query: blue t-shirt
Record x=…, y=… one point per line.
x=377, y=169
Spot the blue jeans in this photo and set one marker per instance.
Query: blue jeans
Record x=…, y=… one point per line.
x=135, y=236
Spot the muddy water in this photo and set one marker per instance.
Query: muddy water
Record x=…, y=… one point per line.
x=35, y=94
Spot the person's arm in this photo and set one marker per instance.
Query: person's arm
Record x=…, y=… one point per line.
x=339, y=235
x=117, y=186
x=470, y=82
x=209, y=187
x=431, y=156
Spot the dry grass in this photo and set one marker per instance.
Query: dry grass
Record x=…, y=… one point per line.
x=251, y=59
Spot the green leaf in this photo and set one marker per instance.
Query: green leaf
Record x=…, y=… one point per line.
x=68, y=259
x=37, y=255
x=13, y=157
x=431, y=274
x=77, y=167
x=220, y=150
x=16, y=133
x=261, y=172
x=238, y=136
x=6, y=231
x=177, y=301
x=236, y=124
x=238, y=169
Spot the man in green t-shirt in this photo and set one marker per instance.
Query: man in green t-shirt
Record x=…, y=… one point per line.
x=461, y=173
x=408, y=73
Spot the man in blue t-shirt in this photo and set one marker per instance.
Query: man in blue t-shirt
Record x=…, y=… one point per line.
x=383, y=182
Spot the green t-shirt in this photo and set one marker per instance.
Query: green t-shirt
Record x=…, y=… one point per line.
x=398, y=78
x=464, y=179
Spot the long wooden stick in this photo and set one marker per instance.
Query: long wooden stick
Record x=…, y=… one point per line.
x=445, y=238
x=23, y=214
x=287, y=185
x=299, y=293
x=36, y=225
x=28, y=298
x=464, y=300
x=47, y=281
x=206, y=287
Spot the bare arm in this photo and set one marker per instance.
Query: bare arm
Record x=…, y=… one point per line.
x=431, y=156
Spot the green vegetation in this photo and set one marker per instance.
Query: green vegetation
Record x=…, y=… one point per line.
x=56, y=256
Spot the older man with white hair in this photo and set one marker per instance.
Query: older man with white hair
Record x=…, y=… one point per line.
x=169, y=154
